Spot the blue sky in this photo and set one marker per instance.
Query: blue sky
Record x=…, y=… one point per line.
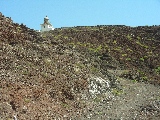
x=70, y=13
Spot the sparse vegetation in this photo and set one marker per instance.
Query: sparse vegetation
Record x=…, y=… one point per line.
x=157, y=70
x=52, y=72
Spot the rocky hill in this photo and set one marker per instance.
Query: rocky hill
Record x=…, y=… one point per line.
x=83, y=72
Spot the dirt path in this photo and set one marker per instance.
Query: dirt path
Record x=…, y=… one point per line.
x=137, y=101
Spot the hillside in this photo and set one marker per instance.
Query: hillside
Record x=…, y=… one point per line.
x=85, y=72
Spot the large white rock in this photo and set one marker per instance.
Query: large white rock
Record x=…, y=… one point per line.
x=98, y=85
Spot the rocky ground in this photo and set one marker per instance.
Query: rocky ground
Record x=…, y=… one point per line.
x=79, y=73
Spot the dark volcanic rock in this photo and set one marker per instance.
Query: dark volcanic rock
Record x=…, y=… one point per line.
x=84, y=72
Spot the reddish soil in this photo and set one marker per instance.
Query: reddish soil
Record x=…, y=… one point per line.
x=50, y=75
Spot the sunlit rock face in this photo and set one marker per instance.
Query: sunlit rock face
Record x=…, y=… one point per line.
x=98, y=85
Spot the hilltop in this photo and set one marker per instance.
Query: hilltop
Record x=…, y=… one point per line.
x=79, y=72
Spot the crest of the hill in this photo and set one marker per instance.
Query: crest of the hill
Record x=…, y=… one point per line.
x=75, y=72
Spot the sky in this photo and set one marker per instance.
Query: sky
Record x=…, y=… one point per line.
x=70, y=13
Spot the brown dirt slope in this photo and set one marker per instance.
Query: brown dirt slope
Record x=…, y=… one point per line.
x=65, y=72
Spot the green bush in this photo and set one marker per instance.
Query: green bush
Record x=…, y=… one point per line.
x=129, y=37
x=128, y=59
x=142, y=59
x=157, y=70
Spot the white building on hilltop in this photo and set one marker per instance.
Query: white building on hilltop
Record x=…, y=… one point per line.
x=46, y=26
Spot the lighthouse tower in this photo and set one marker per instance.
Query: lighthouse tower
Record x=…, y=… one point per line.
x=46, y=26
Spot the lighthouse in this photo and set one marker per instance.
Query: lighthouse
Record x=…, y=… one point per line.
x=46, y=26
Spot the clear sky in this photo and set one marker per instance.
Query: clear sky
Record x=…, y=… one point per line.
x=70, y=13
